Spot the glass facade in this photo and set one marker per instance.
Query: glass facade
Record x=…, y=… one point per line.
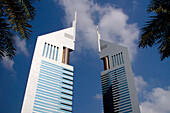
x=54, y=89
x=116, y=98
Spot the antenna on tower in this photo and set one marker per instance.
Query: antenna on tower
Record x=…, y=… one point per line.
x=99, y=37
x=74, y=25
x=75, y=20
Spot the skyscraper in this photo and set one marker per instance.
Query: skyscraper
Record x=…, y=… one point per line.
x=50, y=83
x=118, y=88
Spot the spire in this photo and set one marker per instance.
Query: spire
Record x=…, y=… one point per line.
x=98, y=35
x=74, y=25
x=75, y=20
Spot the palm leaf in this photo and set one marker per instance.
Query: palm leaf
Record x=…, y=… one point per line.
x=156, y=31
x=15, y=16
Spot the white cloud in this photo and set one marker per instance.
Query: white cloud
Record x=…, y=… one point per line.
x=7, y=63
x=157, y=101
x=112, y=23
x=21, y=48
x=21, y=45
x=114, y=28
x=98, y=96
x=140, y=84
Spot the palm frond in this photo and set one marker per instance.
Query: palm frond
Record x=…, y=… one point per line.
x=7, y=48
x=15, y=16
x=156, y=31
x=18, y=19
x=28, y=8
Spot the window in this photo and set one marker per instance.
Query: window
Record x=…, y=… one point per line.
x=56, y=54
x=44, y=48
x=117, y=59
x=47, y=50
x=122, y=58
x=53, y=52
x=50, y=51
x=113, y=61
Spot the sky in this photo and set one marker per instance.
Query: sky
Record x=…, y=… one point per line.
x=119, y=22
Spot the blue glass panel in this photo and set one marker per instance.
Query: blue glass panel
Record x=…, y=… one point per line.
x=44, y=49
x=122, y=57
x=47, y=49
x=50, y=51
x=126, y=109
x=53, y=70
x=45, y=92
x=123, y=101
x=47, y=100
x=122, y=104
x=46, y=105
x=119, y=59
x=66, y=96
x=50, y=64
x=53, y=52
x=67, y=72
x=46, y=87
x=113, y=61
x=124, y=98
x=49, y=78
x=37, y=109
x=56, y=54
x=48, y=83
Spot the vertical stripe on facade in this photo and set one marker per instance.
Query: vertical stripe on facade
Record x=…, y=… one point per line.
x=117, y=59
x=50, y=51
x=44, y=48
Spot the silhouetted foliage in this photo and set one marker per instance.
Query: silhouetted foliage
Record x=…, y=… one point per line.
x=15, y=16
x=156, y=30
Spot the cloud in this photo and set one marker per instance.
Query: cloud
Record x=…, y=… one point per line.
x=114, y=28
x=7, y=63
x=21, y=45
x=21, y=48
x=140, y=84
x=98, y=96
x=112, y=23
x=157, y=101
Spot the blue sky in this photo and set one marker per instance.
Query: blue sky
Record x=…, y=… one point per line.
x=119, y=22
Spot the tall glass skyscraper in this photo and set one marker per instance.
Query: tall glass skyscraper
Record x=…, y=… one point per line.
x=50, y=83
x=118, y=88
